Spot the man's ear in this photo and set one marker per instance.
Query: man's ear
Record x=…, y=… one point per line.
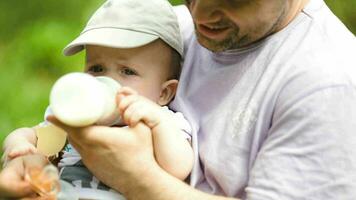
x=168, y=90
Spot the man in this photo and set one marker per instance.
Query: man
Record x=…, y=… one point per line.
x=269, y=89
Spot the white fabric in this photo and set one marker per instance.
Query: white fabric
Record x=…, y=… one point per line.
x=276, y=120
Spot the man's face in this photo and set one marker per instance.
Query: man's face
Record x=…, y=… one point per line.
x=229, y=24
x=144, y=68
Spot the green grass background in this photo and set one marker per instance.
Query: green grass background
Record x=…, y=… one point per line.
x=32, y=36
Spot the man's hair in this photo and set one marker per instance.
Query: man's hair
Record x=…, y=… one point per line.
x=175, y=66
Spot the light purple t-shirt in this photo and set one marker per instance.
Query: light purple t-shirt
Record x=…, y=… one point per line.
x=276, y=120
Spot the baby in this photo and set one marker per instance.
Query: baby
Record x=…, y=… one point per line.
x=138, y=44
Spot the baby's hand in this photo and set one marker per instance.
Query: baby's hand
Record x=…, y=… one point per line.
x=135, y=108
x=20, y=149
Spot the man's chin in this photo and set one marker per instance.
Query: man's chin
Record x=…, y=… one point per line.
x=213, y=46
x=224, y=45
x=218, y=45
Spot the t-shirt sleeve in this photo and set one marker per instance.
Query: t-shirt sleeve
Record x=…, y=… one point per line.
x=182, y=123
x=184, y=126
x=309, y=148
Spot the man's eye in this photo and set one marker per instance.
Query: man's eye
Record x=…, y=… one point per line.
x=96, y=69
x=128, y=71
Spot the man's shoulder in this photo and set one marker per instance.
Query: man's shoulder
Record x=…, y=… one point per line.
x=324, y=32
x=184, y=18
x=185, y=22
x=316, y=48
x=310, y=56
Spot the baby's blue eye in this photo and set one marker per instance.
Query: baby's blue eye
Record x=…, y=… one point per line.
x=96, y=69
x=128, y=71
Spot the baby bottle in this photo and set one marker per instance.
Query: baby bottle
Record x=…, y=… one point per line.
x=79, y=99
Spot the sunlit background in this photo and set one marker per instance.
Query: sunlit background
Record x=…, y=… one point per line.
x=32, y=35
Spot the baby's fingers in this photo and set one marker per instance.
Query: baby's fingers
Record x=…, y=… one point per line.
x=21, y=152
x=135, y=113
x=14, y=154
x=127, y=102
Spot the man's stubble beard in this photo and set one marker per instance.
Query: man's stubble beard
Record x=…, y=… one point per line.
x=232, y=41
x=235, y=41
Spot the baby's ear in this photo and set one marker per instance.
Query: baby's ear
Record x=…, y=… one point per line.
x=168, y=90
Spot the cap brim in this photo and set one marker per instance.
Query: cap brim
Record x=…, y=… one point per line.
x=109, y=37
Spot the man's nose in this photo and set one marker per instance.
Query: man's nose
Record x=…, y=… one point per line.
x=205, y=11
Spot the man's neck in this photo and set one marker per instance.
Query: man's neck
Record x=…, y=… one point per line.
x=295, y=7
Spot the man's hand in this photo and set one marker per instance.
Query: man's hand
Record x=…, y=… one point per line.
x=116, y=156
x=12, y=177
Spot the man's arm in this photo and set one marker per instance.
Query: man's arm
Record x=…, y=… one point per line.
x=159, y=185
x=123, y=158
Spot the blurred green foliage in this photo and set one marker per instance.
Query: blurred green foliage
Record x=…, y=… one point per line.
x=32, y=36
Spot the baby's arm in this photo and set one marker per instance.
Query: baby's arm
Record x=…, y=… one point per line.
x=20, y=142
x=172, y=150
